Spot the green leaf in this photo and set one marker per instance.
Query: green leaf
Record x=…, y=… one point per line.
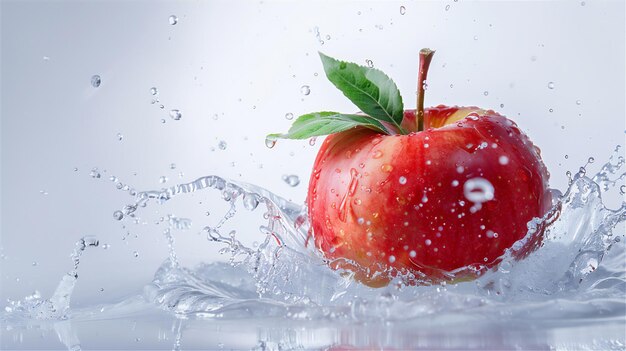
x=369, y=89
x=324, y=123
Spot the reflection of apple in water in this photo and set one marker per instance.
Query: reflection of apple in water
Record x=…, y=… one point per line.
x=416, y=192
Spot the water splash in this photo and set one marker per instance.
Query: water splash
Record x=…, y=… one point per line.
x=574, y=270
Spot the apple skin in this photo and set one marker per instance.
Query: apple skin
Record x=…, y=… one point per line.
x=365, y=220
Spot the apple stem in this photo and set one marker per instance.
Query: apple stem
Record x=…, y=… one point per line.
x=426, y=55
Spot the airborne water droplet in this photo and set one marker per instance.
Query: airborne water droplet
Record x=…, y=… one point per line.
x=550, y=85
x=291, y=180
x=154, y=91
x=176, y=114
x=222, y=145
x=305, y=90
x=173, y=20
x=402, y=10
x=95, y=81
x=270, y=143
x=289, y=116
x=163, y=179
x=118, y=215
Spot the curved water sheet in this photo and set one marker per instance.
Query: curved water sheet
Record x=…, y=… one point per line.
x=577, y=273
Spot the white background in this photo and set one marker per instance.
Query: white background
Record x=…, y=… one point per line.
x=246, y=62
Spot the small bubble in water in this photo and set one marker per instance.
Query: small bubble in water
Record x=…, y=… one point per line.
x=402, y=10
x=475, y=37
x=162, y=120
x=222, y=145
x=485, y=93
x=34, y=263
x=46, y=58
x=43, y=192
x=101, y=289
x=173, y=19
x=135, y=253
x=503, y=160
x=622, y=189
x=578, y=102
x=181, y=174
x=154, y=91
x=118, y=215
x=75, y=169
x=289, y=116
x=392, y=259
x=402, y=180
x=106, y=246
x=428, y=242
x=172, y=166
x=550, y=85
x=176, y=114
x=305, y=90
x=96, y=81
x=291, y=180
x=163, y=179
x=120, y=136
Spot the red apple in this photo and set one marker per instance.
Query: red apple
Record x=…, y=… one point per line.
x=432, y=200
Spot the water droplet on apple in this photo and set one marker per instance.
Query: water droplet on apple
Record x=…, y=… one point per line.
x=503, y=160
x=291, y=180
x=222, y=145
x=386, y=168
x=289, y=116
x=360, y=220
x=176, y=114
x=377, y=154
x=478, y=190
x=550, y=85
x=173, y=20
x=305, y=90
x=402, y=180
x=402, y=10
x=95, y=81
